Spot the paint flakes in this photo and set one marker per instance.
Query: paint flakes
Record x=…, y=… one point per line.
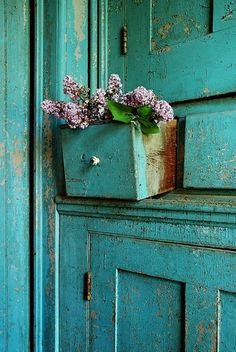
x=206, y=91
x=165, y=29
x=79, y=21
x=17, y=161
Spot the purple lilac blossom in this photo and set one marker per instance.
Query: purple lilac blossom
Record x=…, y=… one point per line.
x=114, y=87
x=76, y=115
x=139, y=97
x=73, y=89
x=162, y=111
x=82, y=112
x=98, y=104
x=53, y=107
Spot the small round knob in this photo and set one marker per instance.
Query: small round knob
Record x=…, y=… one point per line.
x=94, y=161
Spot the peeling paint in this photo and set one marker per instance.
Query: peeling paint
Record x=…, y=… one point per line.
x=165, y=29
x=79, y=20
x=17, y=160
x=2, y=150
x=80, y=15
x=206, y=91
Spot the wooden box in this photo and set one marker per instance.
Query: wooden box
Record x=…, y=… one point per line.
x=116, y=160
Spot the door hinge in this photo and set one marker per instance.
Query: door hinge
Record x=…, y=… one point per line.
x=124, y=40
x=87, y=286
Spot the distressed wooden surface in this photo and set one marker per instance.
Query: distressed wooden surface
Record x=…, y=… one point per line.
x=208, y=157
x=62, y=48
x=14, y=176
x=132, y=165
x=210, y=150
x=183, y=50
x=155, y=263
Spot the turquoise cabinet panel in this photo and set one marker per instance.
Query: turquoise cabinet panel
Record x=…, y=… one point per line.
x=177, y=285
x=162, y=274
x=183, y=50
x=14, y=176
x=61, y=47
x=210, y=150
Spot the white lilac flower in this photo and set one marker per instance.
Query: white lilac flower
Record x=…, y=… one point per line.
x=139, y=97
x=73, y=89
x=114, y=87
x=162, y=111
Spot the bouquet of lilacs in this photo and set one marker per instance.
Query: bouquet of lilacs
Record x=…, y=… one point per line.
x=140, y=106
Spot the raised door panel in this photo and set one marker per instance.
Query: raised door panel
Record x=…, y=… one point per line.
x=181, y=49
x=151, y=296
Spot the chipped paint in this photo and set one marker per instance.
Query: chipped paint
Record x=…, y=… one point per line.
x=80, y=8
x=48, y=142
x=17, y=162
x=206, y=91
x=164, y=30
x=80, y=15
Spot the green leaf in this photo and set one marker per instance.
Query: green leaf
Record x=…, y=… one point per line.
x=148, y=127
x=120, y=112
x=145, y=112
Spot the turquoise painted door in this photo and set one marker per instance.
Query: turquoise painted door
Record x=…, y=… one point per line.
x=182, y=49
x=14, y=176
x=162, y=274
x=152, y=296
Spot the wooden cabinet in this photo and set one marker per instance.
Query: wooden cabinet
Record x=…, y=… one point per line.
x=156, y=285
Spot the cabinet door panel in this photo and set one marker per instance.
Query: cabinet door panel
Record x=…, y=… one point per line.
x=182, y=51
x=149, y=296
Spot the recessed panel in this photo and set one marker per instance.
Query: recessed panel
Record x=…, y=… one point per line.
x=227, y=329
x=149, y=313
x=210, y=150
x=175, y=22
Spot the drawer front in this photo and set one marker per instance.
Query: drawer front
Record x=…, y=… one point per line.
x=210, y=150
x=115, y=160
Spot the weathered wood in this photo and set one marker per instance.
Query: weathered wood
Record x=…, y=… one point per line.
x=156, y=277
x=210, y=150
x=61, y=39
x=183, y=50
x=131, y=165
x=14, y=176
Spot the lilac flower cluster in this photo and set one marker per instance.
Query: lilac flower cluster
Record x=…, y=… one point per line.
x=73, y=89
x=114, y=88
x=139, y=97
x=98, y=104
x=53, y=107
x=162, y=111
x=76, y=115
x=83, y=111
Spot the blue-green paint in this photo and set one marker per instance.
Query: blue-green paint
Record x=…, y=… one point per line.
x=61, y=47
x=158, y=272
x=14, y=176
x=184, y=237
x=184, y=51
x=118, y=147
x=148, y=161
x=210, y=150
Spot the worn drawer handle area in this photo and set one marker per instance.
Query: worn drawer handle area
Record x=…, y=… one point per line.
x=94, y=161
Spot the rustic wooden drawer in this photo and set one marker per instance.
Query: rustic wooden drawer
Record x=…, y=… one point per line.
x=117, y=161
